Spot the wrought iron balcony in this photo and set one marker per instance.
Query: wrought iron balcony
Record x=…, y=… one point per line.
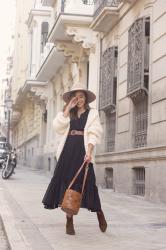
x=99, y=5
x=47, y=2
x=105, y=14
x=52, y=2
x=88, y=2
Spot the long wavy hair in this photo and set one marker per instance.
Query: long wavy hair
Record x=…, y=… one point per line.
x=74, y=111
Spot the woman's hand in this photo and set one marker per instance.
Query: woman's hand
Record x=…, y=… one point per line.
x=72, y=103
x=88, y=158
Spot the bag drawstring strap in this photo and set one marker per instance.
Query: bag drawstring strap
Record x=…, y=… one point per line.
x=76, y=175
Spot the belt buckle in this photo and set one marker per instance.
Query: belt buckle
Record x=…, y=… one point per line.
x=73, y=132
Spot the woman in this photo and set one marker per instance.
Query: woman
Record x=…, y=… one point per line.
x=80, y=128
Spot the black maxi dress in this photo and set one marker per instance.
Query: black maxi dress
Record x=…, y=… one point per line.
x=69, y=162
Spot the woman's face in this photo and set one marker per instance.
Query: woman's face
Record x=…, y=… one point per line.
x=81, y=98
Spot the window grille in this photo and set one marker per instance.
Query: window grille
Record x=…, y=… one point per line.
x=44, y=34
x=138, y=56
x=140, y=122
x=88, y=2
x=139, y=181
x=108, y=176
x=110, y=131
x=100, y=4
x=108, y=79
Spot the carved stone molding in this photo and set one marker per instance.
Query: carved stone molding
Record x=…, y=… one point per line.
x=70, y=50
x=82, y=35
x=41, y=92
x=16, y=115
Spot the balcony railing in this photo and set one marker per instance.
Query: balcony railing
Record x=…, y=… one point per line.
x=77, y=7
x=88, y=2
x=100, y=4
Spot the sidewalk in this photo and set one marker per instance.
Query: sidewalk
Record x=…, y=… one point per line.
x=133, y=224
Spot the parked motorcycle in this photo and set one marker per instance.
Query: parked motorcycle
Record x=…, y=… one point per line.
x=9, y=165
x=4, y=149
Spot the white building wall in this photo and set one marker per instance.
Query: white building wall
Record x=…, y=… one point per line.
x=21, y=46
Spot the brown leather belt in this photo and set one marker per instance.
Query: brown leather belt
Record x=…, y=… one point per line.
x=76, y=132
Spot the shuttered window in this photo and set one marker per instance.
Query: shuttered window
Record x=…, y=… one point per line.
x=138, y=77
x=108, y=79
x=108, y=89
x=138, y=55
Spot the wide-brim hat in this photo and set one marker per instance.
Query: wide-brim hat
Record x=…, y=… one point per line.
x=79, y=87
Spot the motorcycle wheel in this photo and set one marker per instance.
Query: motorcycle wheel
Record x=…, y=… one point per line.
x=7, y=171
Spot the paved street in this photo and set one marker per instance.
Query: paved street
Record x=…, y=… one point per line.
x=133, y=224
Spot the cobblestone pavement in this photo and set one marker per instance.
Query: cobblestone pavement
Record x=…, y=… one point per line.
x=3, y=239
x=133, y=223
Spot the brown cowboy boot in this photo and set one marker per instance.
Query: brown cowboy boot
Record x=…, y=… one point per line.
x=102, y=221
x=69, y=226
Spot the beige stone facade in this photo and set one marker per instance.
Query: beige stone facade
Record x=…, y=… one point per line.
x=116, y=48
x=128, y=166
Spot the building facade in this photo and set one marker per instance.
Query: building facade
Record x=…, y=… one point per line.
x=117, y=49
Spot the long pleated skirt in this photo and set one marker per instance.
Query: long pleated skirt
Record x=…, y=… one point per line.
x=69, y=162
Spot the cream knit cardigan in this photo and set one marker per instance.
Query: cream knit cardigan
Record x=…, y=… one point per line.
x=92, y=131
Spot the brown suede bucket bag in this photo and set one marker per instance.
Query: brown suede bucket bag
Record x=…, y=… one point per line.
x=72, y=199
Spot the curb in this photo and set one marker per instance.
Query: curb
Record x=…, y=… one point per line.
x=4, y=231
x=14, y=237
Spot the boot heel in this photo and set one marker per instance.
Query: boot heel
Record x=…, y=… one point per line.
x=69, y=226
x=102, y=221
